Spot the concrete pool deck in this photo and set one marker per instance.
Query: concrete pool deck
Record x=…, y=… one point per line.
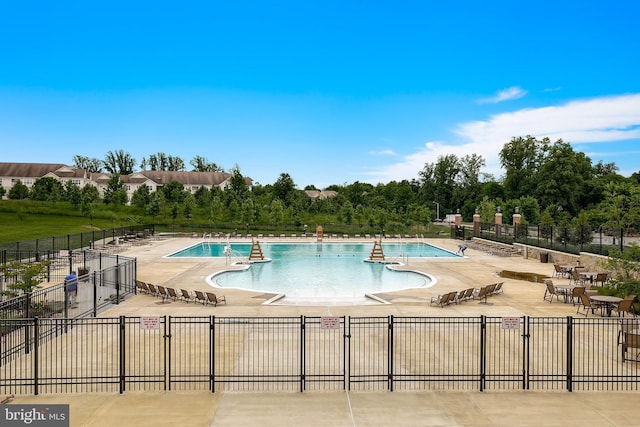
x=450, y=408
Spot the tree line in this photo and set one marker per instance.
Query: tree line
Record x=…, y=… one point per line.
x=549, y=182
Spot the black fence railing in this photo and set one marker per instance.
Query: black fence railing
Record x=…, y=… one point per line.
x=48, y=246
x=60, y=355
x=104, y=279
x=564, y=239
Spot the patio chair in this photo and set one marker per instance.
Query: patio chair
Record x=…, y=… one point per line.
x=214, y=299
x=625, y=306
x=575, y=294
x=186, y=296
x=601, y=279
x=630, y=341
x=627, y=325
x=575, y=277
x=587, y=305
x=558, y=271
x=200, y=297
x=550, y=292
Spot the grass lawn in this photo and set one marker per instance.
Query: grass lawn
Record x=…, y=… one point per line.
x=21, y=226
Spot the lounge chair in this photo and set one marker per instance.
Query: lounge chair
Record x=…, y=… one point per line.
x=200, y=297
x=444, y=299
x=483, y=293
x=468, y=294
x=214, y=299
x=142, y=286
x=172, y=294
x=153, y=290
x=162, y=292
x=497, y=289
x=186, y=296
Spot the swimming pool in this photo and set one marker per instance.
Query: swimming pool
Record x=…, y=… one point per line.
x=309, y=271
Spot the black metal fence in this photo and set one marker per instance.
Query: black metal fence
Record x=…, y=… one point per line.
x=564, y=239
x=62, y=355
x=50, y=247
x=104, y=279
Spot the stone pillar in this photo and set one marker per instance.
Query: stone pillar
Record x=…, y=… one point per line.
x=498, y=223
x=458, y=219
x=516, y=217
x=476, y=224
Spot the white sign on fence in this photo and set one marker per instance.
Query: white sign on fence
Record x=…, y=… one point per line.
x=510, y=323
x=150, y=323
x=329, y=322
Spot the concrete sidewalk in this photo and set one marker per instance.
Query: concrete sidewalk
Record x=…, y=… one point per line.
x=429, y=408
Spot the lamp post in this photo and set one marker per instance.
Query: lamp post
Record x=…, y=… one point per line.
x=437, y=210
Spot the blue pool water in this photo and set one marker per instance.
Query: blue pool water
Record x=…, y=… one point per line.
x=319, y=270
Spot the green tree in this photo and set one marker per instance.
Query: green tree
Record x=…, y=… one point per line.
x=141, y=196
x=119, y=162
x=2, y=191
x=23, y=278
x=174, y=191
x=115, y=192
x=201, y=164
x=72, y=193
x=90, y=193
x=46, y=189
x=19, y=191
x=284, y=187
x=521, y=158
x=91, y=165
x=162, y=162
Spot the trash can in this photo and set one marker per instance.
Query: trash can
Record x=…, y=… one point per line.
x=544, y=257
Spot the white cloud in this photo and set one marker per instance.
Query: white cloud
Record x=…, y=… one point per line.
x=513, y=92
x=598, y=120
x=383, y=153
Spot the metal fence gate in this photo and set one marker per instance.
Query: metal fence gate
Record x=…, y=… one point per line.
x=296, y=354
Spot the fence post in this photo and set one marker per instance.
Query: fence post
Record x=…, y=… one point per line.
x=95, y=294
x=117, y=282
x=569, y=353
x=212, y=354
x=122, y=354
x=483, y=350
x=36, y=336
x=348, y=353
x=302, y=355
x=390, y=353
x=525, y=354
x=167, y=352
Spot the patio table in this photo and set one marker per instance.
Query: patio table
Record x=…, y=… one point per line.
x=566, y=291
x=608, y=302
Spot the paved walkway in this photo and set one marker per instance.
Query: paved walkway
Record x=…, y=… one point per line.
x=517, y=408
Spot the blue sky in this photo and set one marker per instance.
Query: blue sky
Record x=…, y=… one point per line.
x=328, y=92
